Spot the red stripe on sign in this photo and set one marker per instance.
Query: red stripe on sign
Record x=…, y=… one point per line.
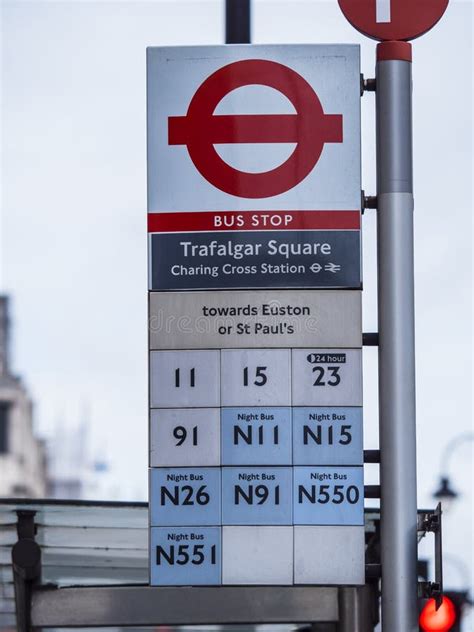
x=252, y=128
x=252, y=220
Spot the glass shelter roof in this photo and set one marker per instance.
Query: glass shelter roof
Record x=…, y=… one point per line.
x=85, y=544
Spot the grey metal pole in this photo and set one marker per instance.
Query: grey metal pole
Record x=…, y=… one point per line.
x=397, y=340
x=355, y=609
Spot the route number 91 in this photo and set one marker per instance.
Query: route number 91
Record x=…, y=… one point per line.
x=180, y=434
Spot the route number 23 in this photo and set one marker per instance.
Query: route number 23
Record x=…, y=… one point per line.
x=321, y=374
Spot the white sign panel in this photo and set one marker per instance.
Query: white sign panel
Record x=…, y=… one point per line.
x=184, y=379
x=257, y=555
x=337, y=562
x=276, y=318
x=327, y=377
x=257, y=377
x=253, y=128
x=188, y=436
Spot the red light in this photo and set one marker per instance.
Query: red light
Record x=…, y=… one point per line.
x=441, y=620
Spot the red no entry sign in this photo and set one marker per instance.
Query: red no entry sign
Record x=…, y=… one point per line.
x=310, y=128
x=393, y=19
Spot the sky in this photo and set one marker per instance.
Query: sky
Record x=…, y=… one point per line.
x=73, y=220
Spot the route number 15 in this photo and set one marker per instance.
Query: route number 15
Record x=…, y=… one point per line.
x=260, y=376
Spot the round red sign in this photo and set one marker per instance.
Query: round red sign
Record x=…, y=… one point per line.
x=310, y=128
x=393, y=19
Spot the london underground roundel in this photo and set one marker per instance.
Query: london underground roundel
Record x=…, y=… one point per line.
x=310, y=128
x=393, y=19
x=253, y=128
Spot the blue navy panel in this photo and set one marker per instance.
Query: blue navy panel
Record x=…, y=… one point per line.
x=255, y=259
x=327, y=436
x=185, y=496
x=256, y=436
x=256, y=496
x=328, y=495
x=183, y=556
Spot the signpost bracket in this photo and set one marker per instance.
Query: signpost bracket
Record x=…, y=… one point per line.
x=367, y=85
x=371, y=491
x=370, y=339
x=431, y=522
x=371, y=456
x=370, y=201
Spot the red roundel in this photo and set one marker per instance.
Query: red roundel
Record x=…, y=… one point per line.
x=310, y=128
x=393, y=19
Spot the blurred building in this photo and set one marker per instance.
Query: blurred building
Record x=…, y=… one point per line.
x=67, y=462
x=75, y=472
x=22, y=454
